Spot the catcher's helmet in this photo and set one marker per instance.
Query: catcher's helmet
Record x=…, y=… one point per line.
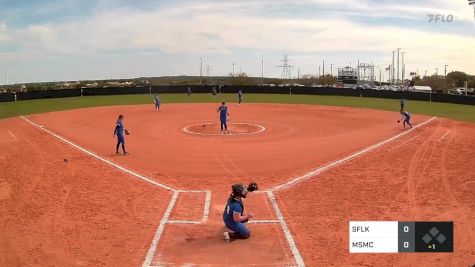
x=239, y=190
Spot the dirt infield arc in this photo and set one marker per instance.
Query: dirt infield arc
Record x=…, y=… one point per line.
x=96, y=205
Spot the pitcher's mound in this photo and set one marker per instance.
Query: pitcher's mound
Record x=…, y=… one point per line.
x=214, y=128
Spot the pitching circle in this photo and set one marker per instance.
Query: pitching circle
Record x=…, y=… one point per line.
x=213, y=128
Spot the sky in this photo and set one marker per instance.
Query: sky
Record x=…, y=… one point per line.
x=58, y=40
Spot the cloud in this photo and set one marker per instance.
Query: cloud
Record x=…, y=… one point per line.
x=227, y=28
x=208, y=29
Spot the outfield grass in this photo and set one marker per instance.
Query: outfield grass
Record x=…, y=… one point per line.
x=452, y=111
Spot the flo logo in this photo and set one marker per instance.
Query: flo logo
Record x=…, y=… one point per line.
x=434, y=18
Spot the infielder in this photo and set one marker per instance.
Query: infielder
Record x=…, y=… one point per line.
x=223, y=117
x=119, y=131
x=406, y=117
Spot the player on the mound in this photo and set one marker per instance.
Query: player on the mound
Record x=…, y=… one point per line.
x=156, y=100
x=223, y=117
x=406, y=117
x=119, y=131
x=234, y=217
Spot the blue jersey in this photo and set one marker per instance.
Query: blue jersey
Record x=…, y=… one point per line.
x=119, y=128
x=156, y=99
x=406, y=115
x=240, y=94
x=233, y=206
x=223, y=113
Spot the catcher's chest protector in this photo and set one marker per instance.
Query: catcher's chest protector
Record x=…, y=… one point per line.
x=238, y=201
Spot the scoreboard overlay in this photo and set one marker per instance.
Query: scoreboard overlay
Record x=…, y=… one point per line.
x=400, y=237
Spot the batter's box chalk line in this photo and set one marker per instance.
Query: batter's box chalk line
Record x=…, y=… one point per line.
x=280, y=218
x=206, y=207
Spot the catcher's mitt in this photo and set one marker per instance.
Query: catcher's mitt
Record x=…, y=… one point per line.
x=252, y=187
x=126, y=132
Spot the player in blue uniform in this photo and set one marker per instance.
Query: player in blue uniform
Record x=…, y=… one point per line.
x=223, y=117
x=239, y=97
x=119, y=131
x=234, y=217
x=156, y=100
x=406, y=117
x=189, y=91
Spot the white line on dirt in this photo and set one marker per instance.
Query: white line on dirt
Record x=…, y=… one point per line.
x=333, y=164
x=290, y=240
x=13, y=136
x=263, y=221
x=158, y=233
x=187, y=130
x=206, y=207
x=183, y=222
x=443, y=136
x=149, y=180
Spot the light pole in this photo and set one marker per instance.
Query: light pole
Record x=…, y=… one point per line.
x=436, y=71
x=331, y=69
x=234, y=64
x=380, y=72
x=398, y=50
x=392, y=68
x=201, y=71
x=262, y=70
x=445, y=71
x=472, y=3
x=323, y=67
x=403, y=67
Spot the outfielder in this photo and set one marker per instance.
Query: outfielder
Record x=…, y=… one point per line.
x=234, y=217
x=239, y=96
x=156, y=100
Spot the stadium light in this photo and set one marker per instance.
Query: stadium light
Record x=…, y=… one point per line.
x=472, y=3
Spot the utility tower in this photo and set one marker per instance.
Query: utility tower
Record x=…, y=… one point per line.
x=285, y=68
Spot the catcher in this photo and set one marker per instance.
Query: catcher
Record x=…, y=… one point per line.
x=119, y=131
x=234, y=216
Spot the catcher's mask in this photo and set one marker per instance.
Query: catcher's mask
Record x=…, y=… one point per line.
x=239, y=190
